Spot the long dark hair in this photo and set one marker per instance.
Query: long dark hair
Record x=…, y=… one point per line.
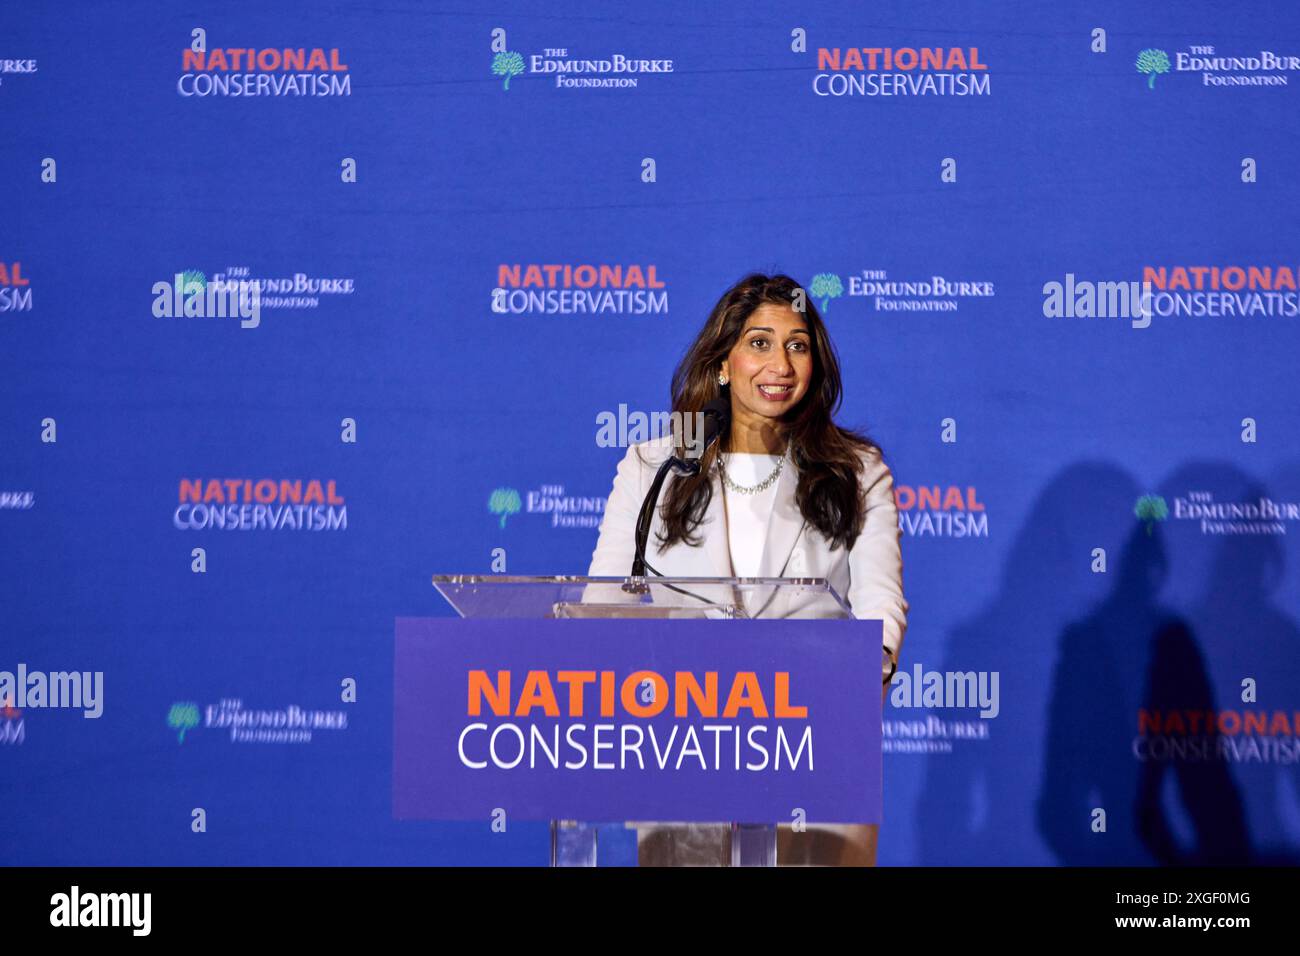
x=826, y=455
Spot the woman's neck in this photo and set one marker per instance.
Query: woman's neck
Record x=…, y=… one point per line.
x=755, y=438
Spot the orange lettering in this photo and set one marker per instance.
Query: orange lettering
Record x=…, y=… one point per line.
x=688, y=689
x=537, y=692
x=828, y=59
x=745, y=692
x=575, y=680
x=783, y=708
x=632, y=703
x=607, y=693
x=498, y=697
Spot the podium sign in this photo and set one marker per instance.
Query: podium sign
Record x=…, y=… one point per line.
x=627, y=719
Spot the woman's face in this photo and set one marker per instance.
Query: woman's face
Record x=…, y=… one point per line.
x=771, y=365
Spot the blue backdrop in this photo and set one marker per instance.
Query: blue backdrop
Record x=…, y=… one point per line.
x=380, y=194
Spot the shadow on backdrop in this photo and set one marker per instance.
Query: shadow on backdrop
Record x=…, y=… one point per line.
x=1071, y=724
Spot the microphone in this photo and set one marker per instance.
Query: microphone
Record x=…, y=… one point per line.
x=717, y=419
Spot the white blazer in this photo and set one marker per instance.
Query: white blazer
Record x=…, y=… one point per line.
x=869, y=576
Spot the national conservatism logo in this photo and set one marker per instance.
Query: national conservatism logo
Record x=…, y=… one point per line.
x=15, y=288
x=502, y=731
x=532, y=288
x=263, y=71
x=901, y=71
x=935, y=511
x=13, y=729
x=1223, y=290
x=262, y=504
x=1198, y=735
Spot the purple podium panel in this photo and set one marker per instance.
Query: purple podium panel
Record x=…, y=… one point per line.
x=749, y=721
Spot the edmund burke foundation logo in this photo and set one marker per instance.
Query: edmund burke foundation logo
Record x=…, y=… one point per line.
x=248, y=725
x=10, y=68
x=932, y=293
x=265, y=504
x=565, y=510
x=1254, y=68
x=609, y=71
x=1260, y=515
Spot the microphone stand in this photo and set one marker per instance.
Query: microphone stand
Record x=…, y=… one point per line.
x=646, y=516
x=717, y=417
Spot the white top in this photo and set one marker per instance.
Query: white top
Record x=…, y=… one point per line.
x=748, y=515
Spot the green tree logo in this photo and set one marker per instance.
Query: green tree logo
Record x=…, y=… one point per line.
x=1151, y=508
x=504, y=502
x=826, y=286
x=183, y=716
x=1153, y=63
x=192, y=281
x=507, y=64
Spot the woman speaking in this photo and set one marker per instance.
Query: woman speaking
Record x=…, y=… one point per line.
x=783, y=492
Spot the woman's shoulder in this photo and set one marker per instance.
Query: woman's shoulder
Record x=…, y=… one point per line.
x=650, y=453
x=875, y=479
x=873, y=460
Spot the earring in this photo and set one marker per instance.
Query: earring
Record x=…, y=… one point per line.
x=722, y=379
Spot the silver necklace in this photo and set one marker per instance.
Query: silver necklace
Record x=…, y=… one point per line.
x=763, y=485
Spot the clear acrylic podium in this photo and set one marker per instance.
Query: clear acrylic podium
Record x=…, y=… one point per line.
x=575, y=843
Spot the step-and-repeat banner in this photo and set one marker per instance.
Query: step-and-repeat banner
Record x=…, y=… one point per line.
x=302, y=303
